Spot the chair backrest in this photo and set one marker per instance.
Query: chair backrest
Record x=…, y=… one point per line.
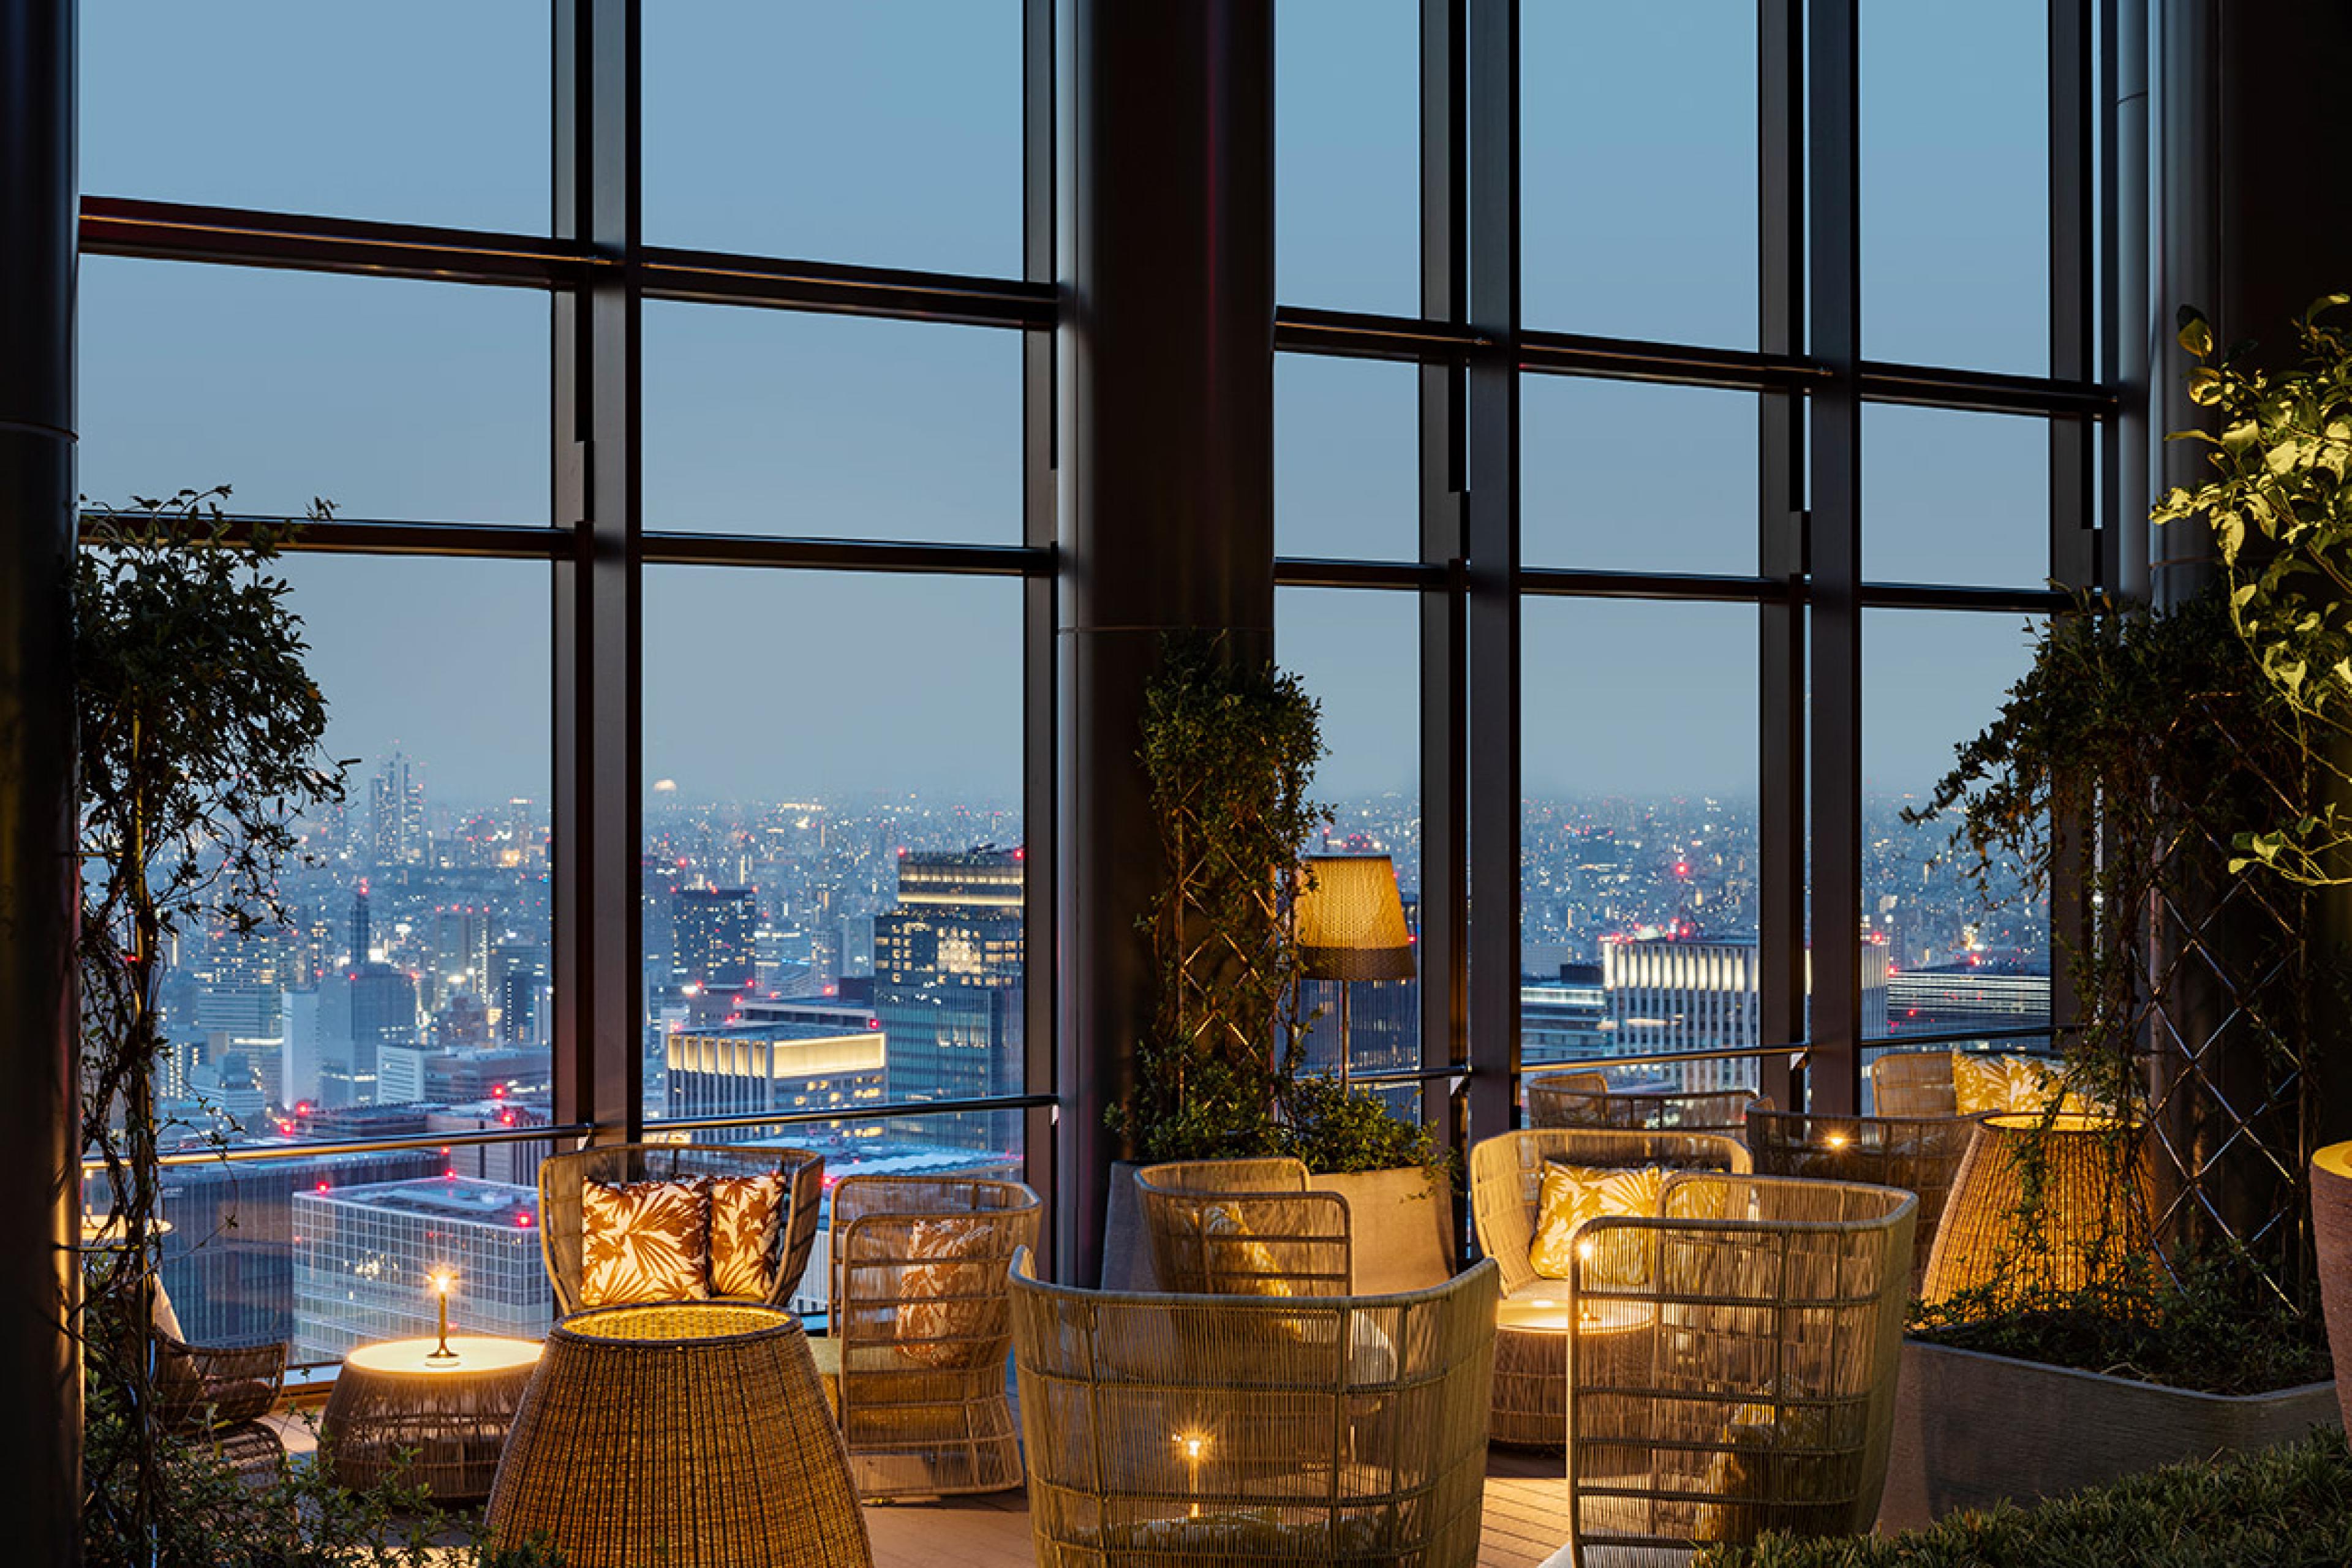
x=1245, y=1227
x=1506, y=1177
x=1217, y=1429
x=920, y=1270
x=1914, y=1084
x=1734, y=1365
x=1561, y=1100
x=562, y=1177
x=1920, y=1154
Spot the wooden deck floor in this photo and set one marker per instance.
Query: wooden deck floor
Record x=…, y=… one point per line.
x=1525, y=1521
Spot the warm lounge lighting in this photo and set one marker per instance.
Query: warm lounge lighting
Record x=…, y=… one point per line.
x=444, y=1281
x=1351, y=927
x=1194, y=1445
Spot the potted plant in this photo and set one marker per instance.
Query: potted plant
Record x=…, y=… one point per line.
x=200, y=734
x=2279, y=506
x=2149, y=1335
x=1230, y=749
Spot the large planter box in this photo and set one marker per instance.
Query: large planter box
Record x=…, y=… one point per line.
x=1972, y=1429
x=1399, y=1222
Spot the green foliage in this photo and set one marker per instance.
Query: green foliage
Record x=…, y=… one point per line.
x=1334, y=1129
x=2213, y=1324
x=199, y=750
x=1230, y=748
x=2279, y=506
x=2288, y=1507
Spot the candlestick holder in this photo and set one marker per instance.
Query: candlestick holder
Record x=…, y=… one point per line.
x=443, y=1279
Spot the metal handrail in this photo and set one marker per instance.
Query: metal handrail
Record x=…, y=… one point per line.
x=238, y=1152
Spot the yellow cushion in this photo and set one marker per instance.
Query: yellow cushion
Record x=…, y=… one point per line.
x=1571, y=1196
x=746, y=1234
x=644, y=1241
x=1243, y=1265
x=1980, y=1084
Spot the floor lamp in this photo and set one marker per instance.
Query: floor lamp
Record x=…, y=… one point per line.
x=1351, y=927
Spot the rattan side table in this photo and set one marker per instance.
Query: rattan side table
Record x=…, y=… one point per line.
x=453, y=1414
x=680, y=1434
x=1531, y=1335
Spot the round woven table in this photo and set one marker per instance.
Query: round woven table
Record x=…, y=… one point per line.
x=1531, y=1335
x=680, y=1434
x=392, y=1398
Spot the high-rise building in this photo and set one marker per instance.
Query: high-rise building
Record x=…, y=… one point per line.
x=396, y=806
x=1562, y=1018
x=361, y=1012
x=517, y=1164
x=362, y=932
x=948, y=987
x=717, y=944
x=461, y=954
x=365, y=1256
x=518, y=991
x=747, y=1069
x=1696, y=994
x=1983, y=991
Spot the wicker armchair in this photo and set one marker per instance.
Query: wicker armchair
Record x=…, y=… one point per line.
x=562, y=1176
x=1920, y=1154
x=1733, y=1369
x=1245, y=1227
x=1356, y=1433
x=1914, y=1084
x=220, y=1394
x=1568, y=1099
x=914, y=1365
x=1507, y=1180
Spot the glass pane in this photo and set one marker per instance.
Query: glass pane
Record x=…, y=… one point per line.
x=835, y=899
x=1347, y=469
x=390, y=398
x=1955, y=185
x=1955, y=498
x=1638, y=843
x=1347, y=154
x=883, y=135
x=436, y=112
x=411, y=979
x=1637, y=171
x=831, y=427
x=323, y=1252
x=1931, y=681
x=1631, y=477
x=1358, y=654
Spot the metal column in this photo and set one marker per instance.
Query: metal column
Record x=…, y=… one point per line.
x=599, y=837
x=1164, y=484
x=40, y=1371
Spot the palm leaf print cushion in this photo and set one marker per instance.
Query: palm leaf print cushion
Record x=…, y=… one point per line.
x=644, y=1241
x=747, y=1225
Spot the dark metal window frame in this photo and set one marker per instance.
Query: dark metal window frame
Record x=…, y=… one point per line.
x=1472, y=349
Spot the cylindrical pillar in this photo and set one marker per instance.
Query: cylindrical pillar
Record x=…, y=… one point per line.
x=40, y=1375
x=1165, y=477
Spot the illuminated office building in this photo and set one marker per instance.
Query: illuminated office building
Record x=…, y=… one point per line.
x=948, y=987
x=363, y=1256
x=716, y=937
x=1700, y=993
x=749, y=1069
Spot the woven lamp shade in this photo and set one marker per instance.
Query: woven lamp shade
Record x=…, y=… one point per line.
x=2092, y=1212
x=1351, y=920
x=679, y=1434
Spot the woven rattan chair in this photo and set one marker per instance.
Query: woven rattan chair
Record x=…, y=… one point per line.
x=1245, y=1227
x=1168, y=1430
x=220, y=1394
x=1566, y=1099
x=1507, y=1180
x=920, y=1327
x=1531, y=1338
x=560, y=1177
x=1920, y=1154
x=1734, y=1365
x=1914, y=1084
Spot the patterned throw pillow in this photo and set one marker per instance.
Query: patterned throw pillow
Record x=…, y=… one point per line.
x=644, y=1241
x=747, y=1235
x=947, y=1307
x=1980, y=1084
x=1572, y=1195
x=1241, y=1263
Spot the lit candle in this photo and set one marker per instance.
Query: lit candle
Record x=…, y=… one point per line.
x=1193, y=1444
x=443, y=1279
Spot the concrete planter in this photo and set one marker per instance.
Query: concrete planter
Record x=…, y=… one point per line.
x=1399, y=1223
x=2331, y=1235
x=1972, y=1429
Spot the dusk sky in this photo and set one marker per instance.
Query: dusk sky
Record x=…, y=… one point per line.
x=888, y=133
